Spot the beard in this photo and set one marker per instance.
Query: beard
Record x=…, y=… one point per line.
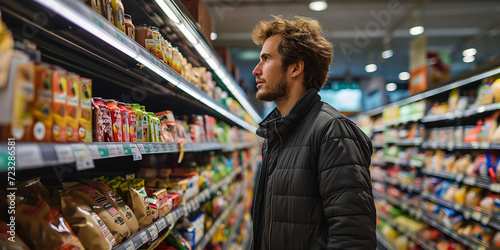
x=274, y=91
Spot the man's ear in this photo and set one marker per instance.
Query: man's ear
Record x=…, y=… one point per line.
x=297, y=68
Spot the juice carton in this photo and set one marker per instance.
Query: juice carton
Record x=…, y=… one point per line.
x=72, y=107
x=138, y=115
x=42, y=128
x=59, y=93
x=17, y=99
x=85, y=119
x=145, y=125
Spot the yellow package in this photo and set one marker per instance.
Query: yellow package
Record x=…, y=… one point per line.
x=59, y=92
x=85, y=118
x=42, y=128
x=72, y=107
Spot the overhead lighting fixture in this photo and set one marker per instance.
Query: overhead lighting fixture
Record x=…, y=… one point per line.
x=391, y=87
x=469, y=59
x=386, y=54
x=469, y=52
x=213, y=36
x=416, y=25
x=318, y=5
x=372, y=67
x=202, y=51
x=168, y=11
x=187, y=33
x=403, y=76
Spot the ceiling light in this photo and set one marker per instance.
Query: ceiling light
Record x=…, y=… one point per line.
x=391, y=87
x=187, y=33
x=318, y=5
x=469, y=52
x=417, y=30
x=201, y=50
x=403, y=76
x=168, y=11
x=213, y=36
x=469, y=59
x=372, y=67
x=386, y=54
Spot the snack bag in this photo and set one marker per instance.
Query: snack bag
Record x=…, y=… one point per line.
x=116, y=118
x=41, y=225
x=5, y=243
x=102, y=124
x=132, y=119
x=86, y=224
x=85, y=118
x=125, y=122
x=95, y=199
x=137, y=201
x=117, y=202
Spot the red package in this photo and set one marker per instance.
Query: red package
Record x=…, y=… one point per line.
x=132, y=124
x=116, y=117
x=125, y=121
x=176, y=200
x=101, y=126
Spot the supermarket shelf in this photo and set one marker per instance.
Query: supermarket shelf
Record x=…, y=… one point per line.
x=405, y=142
x=37, y=155
x=472, y=181
x=378, y=145
x=392, y=181
x=461, y=146
x=209, y=234
x=468, y=213
x=96, y=34
x=469, y=242
x=397, y=226
x=471, y=111
x=379, y=163
x=432, y=220
x=236, y=226
x=247, y=241
x=379, y=129
x=451, y=85
x=382, y=240
x=438, y=118
x=150, y=233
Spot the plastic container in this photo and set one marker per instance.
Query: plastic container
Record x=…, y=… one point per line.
x=129, y=26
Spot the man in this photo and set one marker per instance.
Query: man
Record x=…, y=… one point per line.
x=314, y=189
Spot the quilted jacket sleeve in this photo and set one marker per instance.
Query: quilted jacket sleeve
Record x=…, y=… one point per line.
x=345, y=187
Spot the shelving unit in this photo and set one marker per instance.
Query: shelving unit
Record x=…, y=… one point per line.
x=453, y=145
x=73, y=36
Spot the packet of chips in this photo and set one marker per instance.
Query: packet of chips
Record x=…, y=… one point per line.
x=86, y=224
x=41, y=225
x=95, y=199
x=117, y=202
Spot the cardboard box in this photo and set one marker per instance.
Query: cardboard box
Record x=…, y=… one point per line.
x=201, y=15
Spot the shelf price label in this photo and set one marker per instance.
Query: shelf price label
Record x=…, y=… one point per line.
x=476, y=216
x=161, y=224
x=153, y=231
x=94, y=151
x=485, y=220
x=163, y=148
x=126, y=149
x=82, y=157
x=103, y=151
x=142, y=150
x=64, y=153
x=495, y=187
x=121, y=150
x=136, y=153
x=466, y=214
x=113, y=150
x=144, y=237
x=130, y=246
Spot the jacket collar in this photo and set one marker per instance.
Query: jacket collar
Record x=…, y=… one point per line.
x=285, y=124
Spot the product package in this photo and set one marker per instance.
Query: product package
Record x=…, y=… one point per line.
x=59, y=93
x=117, y=202
x=72, y=107
x=95, y=199
x=85, y=119
x=86, y=224
x=102, y=124
x=41, y=225
x=42, y=128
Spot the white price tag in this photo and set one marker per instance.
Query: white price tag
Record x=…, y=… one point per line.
x=153, y=231
x=485, y=220
x=144, y=237
x=121, y=150
x=136, y=153
x=170, y=219
x=151, y=147
x=94, y=151
x=130, y=246
x=64, y=153
x=113, y=150
x=466, y=214
x=161, y=224
x=476, y=216
x=28, y=156
x=82, y=156
x=495, y=187
x=141, y=148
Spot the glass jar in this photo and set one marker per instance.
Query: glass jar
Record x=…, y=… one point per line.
x=142, y=34
x=129, y=26
x=157, y=43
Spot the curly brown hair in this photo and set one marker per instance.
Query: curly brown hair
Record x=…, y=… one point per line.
x=301, y=40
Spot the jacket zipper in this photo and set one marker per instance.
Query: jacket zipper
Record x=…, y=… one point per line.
x=272, y=188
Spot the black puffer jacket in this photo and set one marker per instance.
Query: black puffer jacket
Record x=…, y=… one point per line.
x=314, y=189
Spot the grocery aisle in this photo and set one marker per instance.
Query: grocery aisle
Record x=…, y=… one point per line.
x=121, y=129
x=435, y=166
